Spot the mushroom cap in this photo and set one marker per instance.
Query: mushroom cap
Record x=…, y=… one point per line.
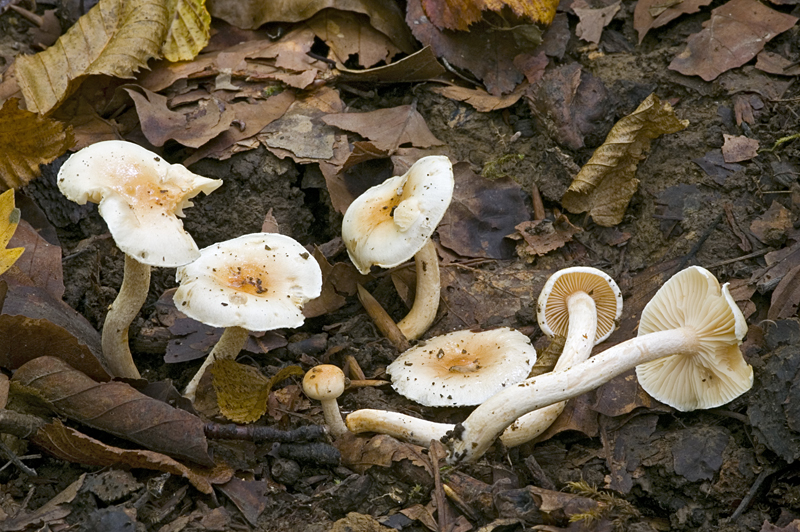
x=140, y=196
x=387, y=224
x=552, y=311
x=718, y=373
x=325, y=381
x=258, y=282
x=463, y=367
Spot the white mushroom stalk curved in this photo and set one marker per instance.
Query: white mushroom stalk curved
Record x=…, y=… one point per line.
x=256, y=282
x=583, y=305
x=141, y=197
x=400, y=426
x=325, y=383
x=392, y=222
x=705, y=327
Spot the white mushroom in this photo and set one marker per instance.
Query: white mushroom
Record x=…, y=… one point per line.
x=462, y=368
x=583, y=305
x=140, y=196
x=704, y=325
x=325, y=383
x=392, y=222
x=256, y=282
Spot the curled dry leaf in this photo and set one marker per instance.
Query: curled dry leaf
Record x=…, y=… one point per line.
x=9, y=219
x=650, y=14
x=189, y=30
x=738, y=148
x=540, y=237
x=242, y=391
x=736, y=32
x=41, y=261
x=117, y=408
x=69, y=444
x=593, y=19
x=116, y=38
x=26, y=141
x=606, y=183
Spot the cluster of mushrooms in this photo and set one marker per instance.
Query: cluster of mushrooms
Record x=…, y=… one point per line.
x=256, y=282
x=686, y=353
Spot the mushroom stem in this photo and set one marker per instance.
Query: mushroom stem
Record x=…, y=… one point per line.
x=132, y=295
x=333, y=417
x=229, y=345
x=491, y=418
x=426, y=299
x=577, y=348
x=401, y=426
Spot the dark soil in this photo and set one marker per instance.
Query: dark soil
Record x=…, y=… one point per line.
x=680, y=471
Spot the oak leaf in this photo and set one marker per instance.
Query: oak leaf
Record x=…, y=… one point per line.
x=116, y=38
x=26, y=141
x=9, y=219
x=606, y=183
x=189, y=30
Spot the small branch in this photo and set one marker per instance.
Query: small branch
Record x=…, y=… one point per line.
x=218, y=431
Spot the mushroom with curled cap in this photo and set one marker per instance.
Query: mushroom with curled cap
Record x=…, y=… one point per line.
x=256, y=282
x=140, y=196
x=392, y=222
x=325, y=383
x=704, y=322
x=582, y=305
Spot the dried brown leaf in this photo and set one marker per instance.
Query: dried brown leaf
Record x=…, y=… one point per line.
x=338, y=280
x=388, y=129
x=650, y=14
x=348, y=34
x=26, y=141
x=192, y=126
x=736, y=32
x=738, y=148
x=419, y=66
x=41, y=261
x=593, y=19
x=116, y=38
x=35, y=324
x=361, y=453
x=385, y=17
x=606, y=183
x=482, y=214
x=773, y=226
x=117, y=408
x=189, y=29
x=482, y=101
x=786, y=297
x=69, y=444
x=540, y=237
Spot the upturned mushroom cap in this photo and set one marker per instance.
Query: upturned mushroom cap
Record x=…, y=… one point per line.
x=140, y=196
x=462, y=368
x=719, y=373
x=552, y=305
x=258, y=282
x=387, y=225
x=324, y=382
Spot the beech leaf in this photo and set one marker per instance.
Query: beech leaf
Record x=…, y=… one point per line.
x=69, y=444
x=459, y=14
x=26, y=141
x=606, y=183
x=117, y=408
x=189, y=30
x=116, y=38
x=9, y=219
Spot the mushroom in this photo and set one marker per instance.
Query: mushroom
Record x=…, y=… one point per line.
x=690, y=317
x=140, y=196
x=691, y=321
x=256, y=282
x=581, y=304
x=392, y=222
x=325, y=383
x=462, y=368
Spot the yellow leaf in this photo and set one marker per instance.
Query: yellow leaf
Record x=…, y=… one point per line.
x=460, y=14
x=242, y=391
x=606, y=183
x=9, y=218
x=189, y=29
x=116, y=38
x=26, y=141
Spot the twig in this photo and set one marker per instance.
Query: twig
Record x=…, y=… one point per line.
x=737, y=259
x=14, y=459
x=316, y=452
x=230, y=431
x=767, y=471
x=382, y=320
x=699, y=244
x=437, y=454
